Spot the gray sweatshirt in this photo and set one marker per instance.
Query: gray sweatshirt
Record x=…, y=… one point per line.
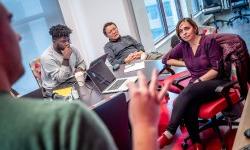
x=53, y=72
x=119, y=50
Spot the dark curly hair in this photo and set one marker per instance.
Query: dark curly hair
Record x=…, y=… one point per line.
x=59, y=31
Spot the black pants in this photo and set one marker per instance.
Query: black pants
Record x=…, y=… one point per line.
x=186, y=106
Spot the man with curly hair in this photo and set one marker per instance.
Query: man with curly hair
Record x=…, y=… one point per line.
x=60, y=60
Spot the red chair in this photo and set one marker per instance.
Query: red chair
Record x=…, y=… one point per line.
x=35, y=66
x=231, y=93
x=210, y=113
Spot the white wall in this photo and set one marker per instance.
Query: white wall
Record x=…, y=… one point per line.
x=87, y=17
x=144, y=27
x=143, y=24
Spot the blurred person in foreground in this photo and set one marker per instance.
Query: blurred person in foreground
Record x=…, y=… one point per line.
x=28, y=124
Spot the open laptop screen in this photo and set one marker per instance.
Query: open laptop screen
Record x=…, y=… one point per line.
x=101, y=76
x=101, y=58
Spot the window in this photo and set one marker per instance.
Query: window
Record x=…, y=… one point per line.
x=163, y=16
x=196, y=7
x=32, y=20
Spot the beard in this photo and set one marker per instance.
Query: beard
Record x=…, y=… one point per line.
x=59, y=48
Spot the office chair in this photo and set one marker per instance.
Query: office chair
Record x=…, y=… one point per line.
x=234, y=52
x=213, y=7
x=35, y=67
x=238, y=6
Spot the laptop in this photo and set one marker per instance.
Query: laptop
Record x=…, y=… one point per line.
x=105, y=81
x=114, y=113
x=101, y=58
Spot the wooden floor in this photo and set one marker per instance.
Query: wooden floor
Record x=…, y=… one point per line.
x=209, y=139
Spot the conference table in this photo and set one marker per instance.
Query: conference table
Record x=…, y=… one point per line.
x=93, y=98
x=90, y=95
x=240, y=140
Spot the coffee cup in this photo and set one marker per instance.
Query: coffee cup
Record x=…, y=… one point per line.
x=80, y=78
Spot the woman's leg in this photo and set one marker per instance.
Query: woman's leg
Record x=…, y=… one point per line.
x=192, y=124
x=187, y=103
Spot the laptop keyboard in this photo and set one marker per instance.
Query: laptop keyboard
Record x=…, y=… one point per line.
x=117, y=84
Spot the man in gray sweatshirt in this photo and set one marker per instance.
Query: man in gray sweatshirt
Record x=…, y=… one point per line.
x=60, y=60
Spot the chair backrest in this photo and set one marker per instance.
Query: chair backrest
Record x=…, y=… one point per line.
x=35, y=66
x=235, y=52
x=239, y=4
x=212, y=6
x=211, y=3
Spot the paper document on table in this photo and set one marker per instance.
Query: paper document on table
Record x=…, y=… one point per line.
x=134, y=66
x=63, y=91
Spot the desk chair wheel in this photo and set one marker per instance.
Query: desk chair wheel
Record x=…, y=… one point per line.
x=184, y=145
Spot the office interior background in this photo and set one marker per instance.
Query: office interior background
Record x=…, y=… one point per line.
x=152, y=22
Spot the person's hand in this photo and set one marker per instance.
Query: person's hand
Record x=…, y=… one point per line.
x=129, y=58
x=136, y=55
x=133, y=56
x=79, y=69
x=144, y=106
x=67, y=51
x=197, y=80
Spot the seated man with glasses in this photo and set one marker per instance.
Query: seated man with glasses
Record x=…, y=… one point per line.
x=121, y=49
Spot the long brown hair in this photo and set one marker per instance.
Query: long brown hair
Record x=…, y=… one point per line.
x=191, y=22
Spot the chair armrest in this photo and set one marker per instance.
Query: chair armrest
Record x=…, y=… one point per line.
x=177, y=81
x=168, y=68
x=224, y=88
x=224, y=91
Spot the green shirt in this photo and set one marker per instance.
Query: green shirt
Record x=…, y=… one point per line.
x=37, y=124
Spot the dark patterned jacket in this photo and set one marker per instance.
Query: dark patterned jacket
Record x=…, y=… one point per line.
x=235, y=51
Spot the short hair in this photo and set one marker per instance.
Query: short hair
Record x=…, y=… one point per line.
x=59, y=31
x=105, y=26
x=191, y=22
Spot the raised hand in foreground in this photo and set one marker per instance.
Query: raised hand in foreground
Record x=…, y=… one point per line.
x=144, y=111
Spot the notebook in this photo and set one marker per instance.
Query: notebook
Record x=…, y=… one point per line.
x=105, y=81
